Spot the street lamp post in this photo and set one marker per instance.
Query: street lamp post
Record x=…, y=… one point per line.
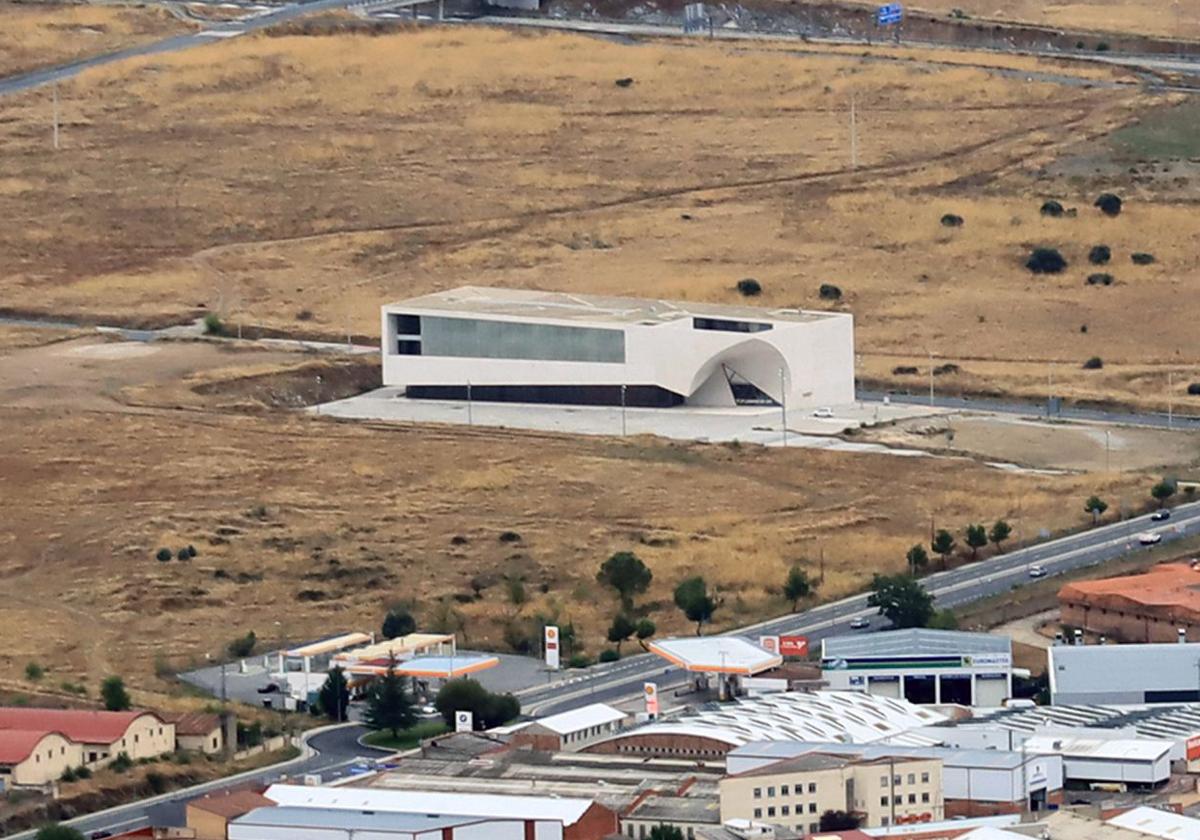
x=470, y=420
x=622, y=409
x=783, y=404
x=930, y=352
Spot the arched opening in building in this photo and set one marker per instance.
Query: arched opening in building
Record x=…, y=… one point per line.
x=750, y=373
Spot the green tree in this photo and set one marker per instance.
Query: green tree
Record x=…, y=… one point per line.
x=943, y=620
x=999, y=533
x=666, y=832
x=34, y=671
x=645, y=629
x=116, y=698
x=977, y=538
x=692, y=596
x=622, y=628
x=517, y=596
x=1096, y=507
x=917, y=559
x=901, y=599
x=627, y=574
x=467, y=695
x=398, y=622
x=943, y=545
x=333, y=699
x=797, y=586
x=242, y=646
x=55, y=831
x=1162, y=491
x=388, y=704
x=839, y=821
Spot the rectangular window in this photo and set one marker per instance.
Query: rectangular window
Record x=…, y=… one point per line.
x=883, y=781
x=912, y=799
x=722, y=325
x=884, y=821
x=785, y=810
x=478, y=339
x=812, y=807
x=924, y=797
x=783, y=790
x=758, y=813
x=771, y=792
x=925, y=778
x=770, y=810
x=407, y=324
x=642, y=831
x=758, y=793
x=895, y=781
x=812, y=827
x=883, y=801
x=912, y=778
x=408, y=347
x=691, y=833
x=812, y=787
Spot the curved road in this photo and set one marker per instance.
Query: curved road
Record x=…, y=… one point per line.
x=334, y=750
x=963, y=585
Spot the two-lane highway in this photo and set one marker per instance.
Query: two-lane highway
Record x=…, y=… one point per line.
x=952, y=588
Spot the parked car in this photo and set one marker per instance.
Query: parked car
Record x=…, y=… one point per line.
x=823, y=411
x=1149, y=538
x=1037, y=572
x=860, y=623
x=1160, y=516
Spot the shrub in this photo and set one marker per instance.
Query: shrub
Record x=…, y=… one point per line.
x=579, y=660
x=828, y=291
x=72, y=688
x=83, y=772
x=1099, y=255
x=1100, y=279
x=116, y=698
x=624, y=83
x=182, y=555
x=952, y=220
x=398, y=622
x=304, y=315
x=243, y=645
x=156, y=781
x=34, y=671
x=1141, y=258
x=191, y=550
x=609, y=655
x=949, y=367
x=1102, y=46
x=1045, y=261
x=163, y=555
x=749, y=287
x=68, y=775
x=213, y=325
x=121, y=763
x=310, y=595
x=509, y=537
x=1094, y=363
x=1051, y=208
x=904, y=370
x=1109, y=204
x=1194, y=389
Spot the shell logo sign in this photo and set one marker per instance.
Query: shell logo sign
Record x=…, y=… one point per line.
x=651, y=692
x=551, y=646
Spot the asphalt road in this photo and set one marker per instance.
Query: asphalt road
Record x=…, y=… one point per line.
x=1157, y=419
x=336, y=752
x=953, y=588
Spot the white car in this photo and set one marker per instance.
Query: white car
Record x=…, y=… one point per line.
x=860, y=623
x=823, y=411
x=1149, y=538
x=1037, y=572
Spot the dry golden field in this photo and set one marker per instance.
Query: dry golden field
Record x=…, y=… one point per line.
x=299, y=181
x=41, y=34
x=319, y=524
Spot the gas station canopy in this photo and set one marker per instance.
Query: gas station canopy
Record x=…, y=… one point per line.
x=717, y=655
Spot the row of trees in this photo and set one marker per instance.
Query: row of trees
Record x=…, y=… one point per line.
x=1160, y=492
x=944, y=544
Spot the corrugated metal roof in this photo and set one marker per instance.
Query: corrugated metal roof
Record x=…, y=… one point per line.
x=950, y=756
x=566, y=811
x=1115, y=668
x=1156, y=823
x=596, y=714
x=914, y=642
x=347, y=820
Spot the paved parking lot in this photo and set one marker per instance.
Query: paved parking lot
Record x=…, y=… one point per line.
x=748, y=424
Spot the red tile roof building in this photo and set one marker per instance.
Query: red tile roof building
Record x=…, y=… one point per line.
x=1149, y=607
x=100, y=735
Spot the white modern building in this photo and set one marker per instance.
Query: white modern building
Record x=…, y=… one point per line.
x=513, y=345
x=1122, y=674
x=922, y=666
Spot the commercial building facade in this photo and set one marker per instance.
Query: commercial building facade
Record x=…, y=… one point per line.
x=1124, y=674
x=882, y=791
x=922, y=666
x=512, y=345
x=1150, y=607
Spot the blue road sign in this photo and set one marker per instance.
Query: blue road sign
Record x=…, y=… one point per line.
x=889, y=14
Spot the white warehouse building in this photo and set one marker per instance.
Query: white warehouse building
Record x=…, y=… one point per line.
x=512, y=345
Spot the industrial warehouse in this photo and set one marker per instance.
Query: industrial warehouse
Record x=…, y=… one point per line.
x=510, y=345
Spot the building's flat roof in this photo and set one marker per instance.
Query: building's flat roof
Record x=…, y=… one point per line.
x=1067, y=825
x=1175, y=723
x=400, y=647
x=914, y=642
x=950, y=756
x=347, y=820
x=576, y=720
x=329, y=645
x=565, y=306
x=1158, y=823
x=809, y=761
x=1114, y=668
x=669, y=809
x=1121, y=749
x=566, y=811
x=716, y=654
x=827, y=716
x=436, y=667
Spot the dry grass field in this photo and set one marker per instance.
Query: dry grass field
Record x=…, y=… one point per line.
x=41, y=34
x=319, y=524
x=299, y=181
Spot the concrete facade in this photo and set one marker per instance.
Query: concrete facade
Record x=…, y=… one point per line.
x=524, y=346
x=795, y=792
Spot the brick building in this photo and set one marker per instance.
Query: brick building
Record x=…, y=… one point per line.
x=1150, y=607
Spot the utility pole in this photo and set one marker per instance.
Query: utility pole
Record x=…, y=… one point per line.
x=853, y=132
x=1107, y=459
x=56, y=116
x=783, y=405
x=622, y=409
x=930, y=352
x=1170, y=399
x=469, y=417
